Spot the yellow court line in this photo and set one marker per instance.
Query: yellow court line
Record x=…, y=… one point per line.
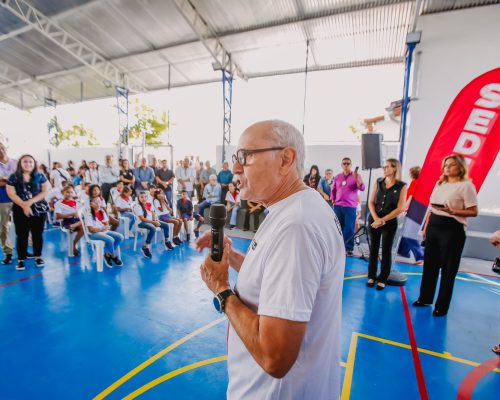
x=151, y=360
x=346, y=387
x=173, y=374
x=445, y=355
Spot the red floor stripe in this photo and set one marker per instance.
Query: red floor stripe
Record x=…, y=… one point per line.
x=471, y=380
x=414, y=350
x=21, y=280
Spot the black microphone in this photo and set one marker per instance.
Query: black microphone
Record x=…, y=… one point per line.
x=217, y=222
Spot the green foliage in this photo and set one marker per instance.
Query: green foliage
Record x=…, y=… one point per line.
x=76, y=136
x=148, y=123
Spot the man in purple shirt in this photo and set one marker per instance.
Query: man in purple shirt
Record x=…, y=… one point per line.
x=344, y=196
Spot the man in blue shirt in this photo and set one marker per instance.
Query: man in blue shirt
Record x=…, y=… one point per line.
x=211, y=193
x=7, y=167
x=225, y=177
x=144, y=176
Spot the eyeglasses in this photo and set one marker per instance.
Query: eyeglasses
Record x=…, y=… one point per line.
x=346, y=163
x=241, y=155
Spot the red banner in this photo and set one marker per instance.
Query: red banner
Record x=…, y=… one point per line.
x=471, y=128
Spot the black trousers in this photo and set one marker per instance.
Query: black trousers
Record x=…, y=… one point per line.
x=25, y=225
x=444, y=242
x=386, y=234
x=246, y=222
x=105, y=189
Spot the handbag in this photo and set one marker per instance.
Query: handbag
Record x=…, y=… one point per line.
x=40, y=208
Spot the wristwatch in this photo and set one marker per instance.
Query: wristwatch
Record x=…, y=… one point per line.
x=220, y=299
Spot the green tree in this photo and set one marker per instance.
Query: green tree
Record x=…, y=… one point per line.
x=148, y=123
x=76, y=136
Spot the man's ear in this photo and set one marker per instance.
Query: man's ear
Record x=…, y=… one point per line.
x=287, y=159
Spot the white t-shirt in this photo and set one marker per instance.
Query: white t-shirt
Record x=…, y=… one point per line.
x=294, y=270
x=120, y=202
x=456, y=195
x=114, y=194
x=138, y=211
x=230, y=198
x=95, y=223
x=185, y=173
x=159, y=212
x=58, y=176
x=92, y=176
x=54, y=193
x=61, y=208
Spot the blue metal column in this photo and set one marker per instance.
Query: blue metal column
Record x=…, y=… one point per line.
x=406, y=100
x=227, y=88
x=122, y=108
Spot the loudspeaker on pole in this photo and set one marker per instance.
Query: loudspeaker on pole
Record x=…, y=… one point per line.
x=371, y=150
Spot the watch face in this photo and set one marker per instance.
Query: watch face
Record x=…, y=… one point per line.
x=217, y=304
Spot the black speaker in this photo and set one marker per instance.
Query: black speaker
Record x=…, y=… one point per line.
x=371, y=150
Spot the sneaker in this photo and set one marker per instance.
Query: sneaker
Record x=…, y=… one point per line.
x=108, y=260
x=231, y=227
x=188, y=237
x=40, y=263
x=494, y=268
x=196, y=233
x=117, y=261
x=177, y=241
x=146, y=252
x=20, y=266
x=349, y=252
x=30, y=255
x=168, y=245
x=245, y=229
x=7, y=259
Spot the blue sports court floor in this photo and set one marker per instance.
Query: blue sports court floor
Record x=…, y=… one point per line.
x=149, y=331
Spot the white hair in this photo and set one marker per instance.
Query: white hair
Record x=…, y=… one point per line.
x=287, y=135
x=212, y=177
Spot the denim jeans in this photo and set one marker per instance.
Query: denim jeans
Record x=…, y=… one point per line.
x=131, y=218
x=204, y=205
x=234, y=215
x=347, y=219
x=152, y=229
x=111, y=240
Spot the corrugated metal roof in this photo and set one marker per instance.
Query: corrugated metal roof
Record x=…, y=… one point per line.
x=156, y=43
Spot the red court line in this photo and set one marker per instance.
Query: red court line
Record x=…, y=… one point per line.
x=414, y=349
x=471, y=380
x=21, y=280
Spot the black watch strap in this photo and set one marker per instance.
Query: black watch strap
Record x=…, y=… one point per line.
x=222, y=296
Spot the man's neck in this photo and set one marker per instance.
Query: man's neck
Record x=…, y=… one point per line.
x=347, y=173
x=286, y=189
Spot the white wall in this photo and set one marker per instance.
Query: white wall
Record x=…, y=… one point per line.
x=456, y=47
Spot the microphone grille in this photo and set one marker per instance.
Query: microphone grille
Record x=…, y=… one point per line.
x=218, y=211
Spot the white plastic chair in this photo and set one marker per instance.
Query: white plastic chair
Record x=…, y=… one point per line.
x=70, y=238
x=97, y=245
x=125, y=221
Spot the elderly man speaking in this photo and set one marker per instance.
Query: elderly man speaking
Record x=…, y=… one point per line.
x=285, y=311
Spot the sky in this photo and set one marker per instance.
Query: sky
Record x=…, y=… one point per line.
x=334, y=101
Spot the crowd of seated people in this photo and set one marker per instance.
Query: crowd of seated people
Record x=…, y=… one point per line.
x=103, y=195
